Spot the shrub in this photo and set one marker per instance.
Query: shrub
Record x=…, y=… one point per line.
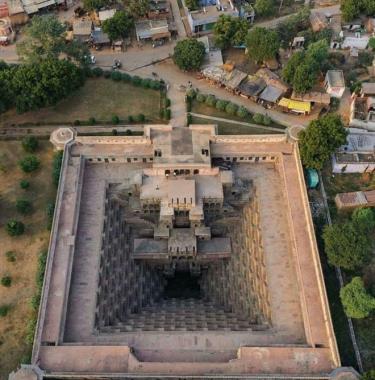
x=167, y=114
x=115, y=119
x=128, y=132
x=23, y=206
x=11, y=256
x=4, y=309
x=355, y=299
x=56, y=167
x=139, y=118
x=188, y=104
x=211, y=100
x=77, y=122
x=156, y=85
x=107, y=74
x=116, y=76
x=15, y=227
x=97, y=72
x=130, y=118
x=30, y=144
x=167, y=102
x=191, y=93
x=146, y=83
x=114, y=132
x=231, y=108
x=6, y=281
x=136, y=80
x=92, y=121
x=201, y=98
x=258, y=118
x=189, y=119
x=50, y=209
x=266, y=120
x=242, y=112
x=221, y=104
x=126, y=77
x=24, y=184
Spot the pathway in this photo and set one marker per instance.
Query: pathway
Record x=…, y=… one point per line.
x=229, y=121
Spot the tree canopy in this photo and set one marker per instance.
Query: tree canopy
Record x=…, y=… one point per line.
x=303, y=68
x=264, y=7
x=355, y=299
x=230, y=31
x=262, y=44
x=138, y=8
x=34, y=86
x=94, y=4
x=320, y=139
x=353, y=8
x=45, y=39
x=192, y=5
x=189, y=54
x=346, y=246
x=118, y=26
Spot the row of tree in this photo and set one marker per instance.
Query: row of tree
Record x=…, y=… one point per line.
x=353, y=8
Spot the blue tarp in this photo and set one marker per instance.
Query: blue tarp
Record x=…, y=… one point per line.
x=312, y=178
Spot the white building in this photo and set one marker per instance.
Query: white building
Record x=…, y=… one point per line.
x=335, y=83
x=358, y=155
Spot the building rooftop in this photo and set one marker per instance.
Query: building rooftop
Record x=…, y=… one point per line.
x=335, y=78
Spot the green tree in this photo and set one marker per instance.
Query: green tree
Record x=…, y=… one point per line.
x=40, y=85
x=320, y=139
x=23, y=206
x=91, y=5
x=369, y=7
x=350, y=9
x=264, y=7
x=290, y=68
x=294, y=24
x=242, y=112
x=138, y=8
x=262, y=44
x=192, y=5
x=30, y=144
x=369, y=375
x=221, y=104
x=231, y=108
x=211, y=100
x=118, y=26
x=24, y=184
x=230, y=31
x=189, y=54
x=6, y=281
x=371, y=43
x=44, y=38
x=56, y=167
x=4, y=309
x=364, y=219
x=304, y=78
x=29, y=163
x=355, y=299
x=14, y=227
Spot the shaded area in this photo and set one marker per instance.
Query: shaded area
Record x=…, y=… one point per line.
x=182, y=285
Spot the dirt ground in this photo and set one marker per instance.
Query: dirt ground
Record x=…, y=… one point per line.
x=13, y=347
x=240, y=59
x=99, y=98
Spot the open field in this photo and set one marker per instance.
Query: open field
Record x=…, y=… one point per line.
x=364, y=328
x=233, y=129
x=13, y=347
x=99, y=98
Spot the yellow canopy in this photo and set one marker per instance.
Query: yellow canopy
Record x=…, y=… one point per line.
x=295, y=105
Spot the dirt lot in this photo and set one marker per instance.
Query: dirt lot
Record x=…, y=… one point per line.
x=99, y=98
x=13, y=347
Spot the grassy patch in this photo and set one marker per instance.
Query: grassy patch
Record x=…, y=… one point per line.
x=233, y=129
x=26, y=248
x=100, y=99
x=204, y=109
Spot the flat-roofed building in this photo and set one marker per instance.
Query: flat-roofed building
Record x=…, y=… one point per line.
x=335, y=83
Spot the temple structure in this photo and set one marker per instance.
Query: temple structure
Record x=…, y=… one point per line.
x=179, y=254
